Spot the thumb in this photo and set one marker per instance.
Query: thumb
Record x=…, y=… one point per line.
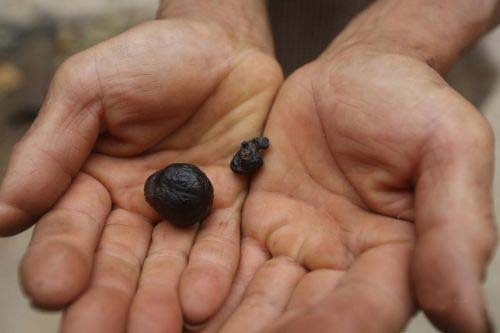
x=455, y=227
x=44, y=162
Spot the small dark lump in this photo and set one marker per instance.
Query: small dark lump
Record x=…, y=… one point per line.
x=181, y=193
x=248, y=159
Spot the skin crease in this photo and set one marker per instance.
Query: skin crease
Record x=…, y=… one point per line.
x=166, y=91
x=390, y=159
x=388, y=156
x=383, y=201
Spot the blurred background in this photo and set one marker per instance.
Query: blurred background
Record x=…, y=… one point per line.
x=37, y=35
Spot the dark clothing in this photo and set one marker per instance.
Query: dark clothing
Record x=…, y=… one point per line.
x=303, y=28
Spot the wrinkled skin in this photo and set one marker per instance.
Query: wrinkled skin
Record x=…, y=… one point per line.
x=377, y=185
x=376, y=166
x=163, y=92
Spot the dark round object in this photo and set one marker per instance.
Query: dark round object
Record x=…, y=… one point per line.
x=249, y=159
x=181, y=193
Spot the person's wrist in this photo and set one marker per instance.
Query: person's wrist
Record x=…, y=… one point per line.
x=436, y=32
x=245, y=22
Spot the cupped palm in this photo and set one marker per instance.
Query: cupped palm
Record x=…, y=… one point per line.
x=372, y=156
x=166, y=91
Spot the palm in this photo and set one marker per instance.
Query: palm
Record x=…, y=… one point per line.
x=161, y=93
x=328, y=215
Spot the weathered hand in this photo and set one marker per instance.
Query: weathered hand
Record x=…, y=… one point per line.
x=166, y=91
x=372, y=156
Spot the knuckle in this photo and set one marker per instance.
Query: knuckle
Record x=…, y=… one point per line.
x=67, y=70
x=58, y=224
x=281, y=262
x=76, y=76
x=481, y=132
x=473, y=130
x=121, y=254
x=258, y=299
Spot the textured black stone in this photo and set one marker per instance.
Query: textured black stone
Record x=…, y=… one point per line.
x=181, y=193
x=248, y=159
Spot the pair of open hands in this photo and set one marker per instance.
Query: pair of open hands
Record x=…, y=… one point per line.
x=374, y=197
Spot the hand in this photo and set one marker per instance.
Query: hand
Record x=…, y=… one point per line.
x=167, y=91
x=372, y=156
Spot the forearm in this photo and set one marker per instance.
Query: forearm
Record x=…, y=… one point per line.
x=435, y=31
x=247, y=21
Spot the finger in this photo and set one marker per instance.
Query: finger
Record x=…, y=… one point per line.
x=373, y=296
x=455, y=227
x=266, y=297
x=104, y=306
x=313, y=287
x=57, y=265
x=253, y=256
x=43, y=163
x=214, y=257
x=156, y=307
